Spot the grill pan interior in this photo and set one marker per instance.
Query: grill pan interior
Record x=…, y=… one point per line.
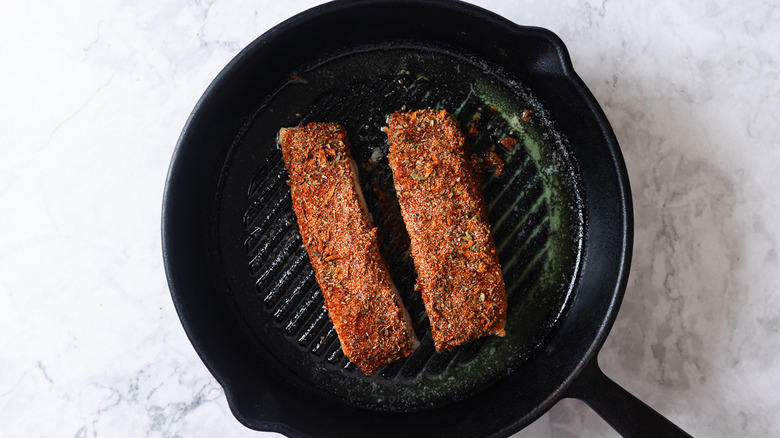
x=535, y=210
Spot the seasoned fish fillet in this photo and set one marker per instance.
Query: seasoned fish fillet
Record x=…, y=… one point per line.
x=362, y=301
x=441, y=199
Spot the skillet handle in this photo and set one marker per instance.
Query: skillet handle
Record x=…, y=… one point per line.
x=628, y=415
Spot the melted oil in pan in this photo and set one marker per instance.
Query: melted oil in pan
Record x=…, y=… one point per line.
x=534, y=211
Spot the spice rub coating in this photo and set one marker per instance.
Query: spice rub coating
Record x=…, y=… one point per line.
x=362, y=301
x=440, y=192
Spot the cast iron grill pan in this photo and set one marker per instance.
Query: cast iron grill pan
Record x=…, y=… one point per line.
x=561, y=216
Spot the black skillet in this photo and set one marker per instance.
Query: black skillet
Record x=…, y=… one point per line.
x=560, y=212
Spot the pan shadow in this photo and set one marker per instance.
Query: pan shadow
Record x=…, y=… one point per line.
x=681, y=291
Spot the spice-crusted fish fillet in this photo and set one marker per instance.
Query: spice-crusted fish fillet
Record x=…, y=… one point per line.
x=441, y=199
x=367, y=312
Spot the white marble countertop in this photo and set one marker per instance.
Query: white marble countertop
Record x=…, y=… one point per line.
x=93, y=95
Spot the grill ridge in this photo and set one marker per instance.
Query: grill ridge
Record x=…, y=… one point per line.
x=288, y=238
x=325, y=341
x=288, y=302
x=268, y=214
x=266, y=194
x=315, y=324
x=311, y=301
x=289, y=273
